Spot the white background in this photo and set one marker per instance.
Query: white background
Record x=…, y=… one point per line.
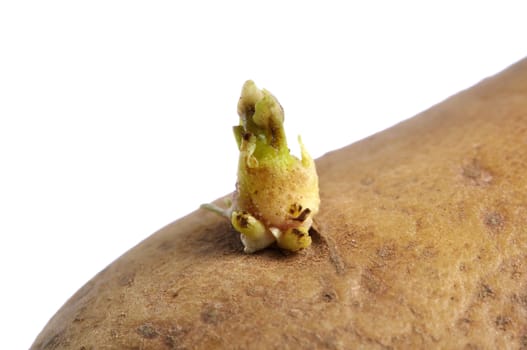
x=115, y=116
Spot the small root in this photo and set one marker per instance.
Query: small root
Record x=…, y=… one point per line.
x=334, y=255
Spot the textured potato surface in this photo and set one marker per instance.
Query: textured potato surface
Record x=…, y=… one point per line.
x=420, y=242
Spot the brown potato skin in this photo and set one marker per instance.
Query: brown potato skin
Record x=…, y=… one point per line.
x=421, y=243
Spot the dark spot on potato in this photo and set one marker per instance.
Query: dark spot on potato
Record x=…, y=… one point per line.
x=372, y=282
x=114, y=334
x=494, y=221
x=486, y=292
x=523, y=342
x=175, y=294
x=174, y=337
x=256, y=291
x=464, y=324
x=520, y=299
x=147, y=331
x=429, y=252
x=246, y=136
x=295, y=313
x=503, y=322
x=329, y=296
x=212, y=314
x=476, y=173
x=387, y=252
x=171, y=342
x=79, y=315
x=126, y=280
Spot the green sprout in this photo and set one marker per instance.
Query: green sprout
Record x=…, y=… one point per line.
x=276, y=193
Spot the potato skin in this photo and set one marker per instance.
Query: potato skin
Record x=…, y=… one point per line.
x=421, y=243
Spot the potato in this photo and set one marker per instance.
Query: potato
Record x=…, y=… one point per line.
x=420, y=242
